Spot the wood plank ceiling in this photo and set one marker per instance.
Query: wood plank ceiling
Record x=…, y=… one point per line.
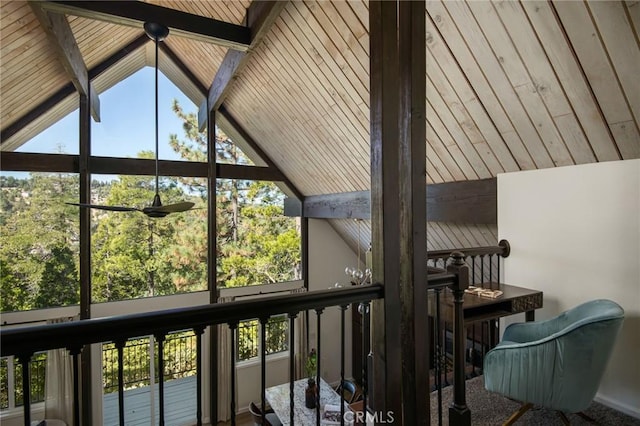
x=510, y=86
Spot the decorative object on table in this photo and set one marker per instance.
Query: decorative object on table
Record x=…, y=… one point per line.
x=311, y=391
x=331, y=415
x=484, y=292
x=356, y=275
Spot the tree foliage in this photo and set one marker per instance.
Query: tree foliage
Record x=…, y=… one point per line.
x=133, y=255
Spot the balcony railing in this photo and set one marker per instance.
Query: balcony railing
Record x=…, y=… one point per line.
x=24, y=342
x=74, y=335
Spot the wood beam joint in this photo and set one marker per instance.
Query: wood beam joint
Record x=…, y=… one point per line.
x=259, y=18
x=463, y=202
x=61, y=36
x=136, y=13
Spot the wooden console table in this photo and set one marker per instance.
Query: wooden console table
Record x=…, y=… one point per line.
x=514, y=300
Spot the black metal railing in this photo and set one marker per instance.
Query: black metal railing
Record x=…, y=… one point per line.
x=179, y=353
x=457, y=354
x=24, y=342
x=269, y=311
x=11, y=390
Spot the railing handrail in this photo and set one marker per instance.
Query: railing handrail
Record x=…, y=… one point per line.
x=503, y=249
x=73, y=335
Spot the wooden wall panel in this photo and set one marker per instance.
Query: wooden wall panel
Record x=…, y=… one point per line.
x=312, y=107
x=602, y=74
x=98, y=40
x=25, y=46
x=473, y=89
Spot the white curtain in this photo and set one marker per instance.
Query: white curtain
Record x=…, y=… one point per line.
x=58, y=402
x=224, y=368
x=301, y=347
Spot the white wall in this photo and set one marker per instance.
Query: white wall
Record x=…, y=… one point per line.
x=329, y=255
x=575, y=235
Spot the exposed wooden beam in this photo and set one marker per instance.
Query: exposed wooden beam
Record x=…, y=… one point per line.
x=345, y=205
x=212, y=262
x=146, y=167
x=234, y=171
x=59, y=32
x=246, y=137
x=413, y=212
x=472, y=201
x=82, y=163
x=386, y=377
x=69, y=89
x=47, y=163
x=260, y=16
x=136, y=13
x=65, y=163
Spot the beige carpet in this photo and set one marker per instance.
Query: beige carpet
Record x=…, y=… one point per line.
x=489, y=409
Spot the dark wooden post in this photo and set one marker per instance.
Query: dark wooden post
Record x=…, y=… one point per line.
x=398, y=209
x=459, y=413
x=85, y=251
x=211, y=264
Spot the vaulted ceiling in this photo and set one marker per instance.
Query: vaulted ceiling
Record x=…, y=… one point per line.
x=510, y=86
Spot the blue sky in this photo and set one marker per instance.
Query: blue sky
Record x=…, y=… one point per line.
x=127, y=121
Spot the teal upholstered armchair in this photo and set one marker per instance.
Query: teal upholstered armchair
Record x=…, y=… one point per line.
x=556, y=363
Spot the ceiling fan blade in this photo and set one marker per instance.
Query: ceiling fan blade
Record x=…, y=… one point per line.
x=110, y=208
x=169, y=208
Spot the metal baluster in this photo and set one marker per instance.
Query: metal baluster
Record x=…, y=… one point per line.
x=473, y=269
x=26, y=388
x=439, y=356
x=491, y=269
x=366, y=354
x=198, y=331
x=75, y=352
x=233, y=326
x=484, y=325
x=292, y=365
x=263, y=375
x=473, y=327
x=119, y=347
x=343, y=308
x=444, y=352
x=482, y=268
x=160, y=339
x=318, y=370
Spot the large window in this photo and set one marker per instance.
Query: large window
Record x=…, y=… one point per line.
x=133, y=256
x=257, y=244
x=40, y=237
x=248, y=338
x=136, y=256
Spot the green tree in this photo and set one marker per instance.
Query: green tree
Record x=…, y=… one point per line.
x=129, y=248
x=255, y=244
x=40, y=237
